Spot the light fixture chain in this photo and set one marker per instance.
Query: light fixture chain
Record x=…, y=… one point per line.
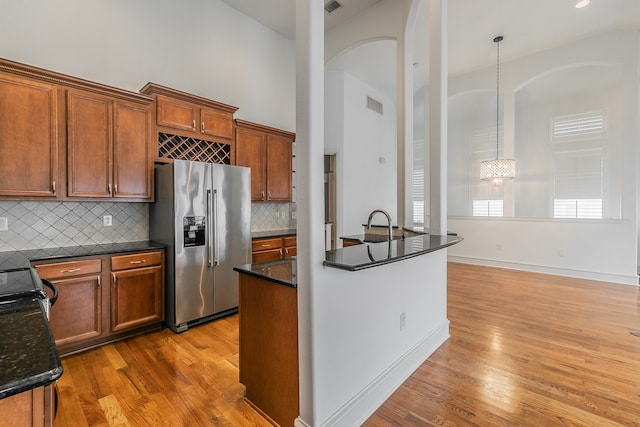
x=497, y=40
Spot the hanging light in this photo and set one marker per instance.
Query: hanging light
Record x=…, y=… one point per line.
x=499, y=169
x=579, y=4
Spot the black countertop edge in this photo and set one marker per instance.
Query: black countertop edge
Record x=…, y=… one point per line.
x=13, y=260
x=282, y=271
x=24, y=326
x=359, y=257
x=273, y=233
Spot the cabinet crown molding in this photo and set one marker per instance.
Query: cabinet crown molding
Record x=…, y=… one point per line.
x=257, y=126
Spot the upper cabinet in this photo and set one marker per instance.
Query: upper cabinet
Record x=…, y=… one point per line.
x=72, y=139
x=109, y=142
x=192, y=128
x=28, y=137
x=268, y=152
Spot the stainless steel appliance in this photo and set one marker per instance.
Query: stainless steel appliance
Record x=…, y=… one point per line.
x=202, y=213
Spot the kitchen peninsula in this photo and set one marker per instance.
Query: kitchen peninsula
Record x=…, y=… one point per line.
x=269, y=317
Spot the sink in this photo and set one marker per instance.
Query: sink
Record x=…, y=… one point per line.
x=377, y=237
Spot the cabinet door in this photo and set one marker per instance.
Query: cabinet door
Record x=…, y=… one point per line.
x=270, y=255
x=77, y=314
x=133, y=168
x=251, y=152
x=216, y=123
x=28, y=138
x=278, y=168
x=89, y=145
x=136, y=297
x=176, y=114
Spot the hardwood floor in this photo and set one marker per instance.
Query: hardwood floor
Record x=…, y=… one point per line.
x=525, y=350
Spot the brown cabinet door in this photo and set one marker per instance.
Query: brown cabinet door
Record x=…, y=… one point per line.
x=89, y=137
x=176, y=114
x=278, y=168
x=136, y=297
x=270, y=255
x=251, y=152
x=77, y=314
x=216, y=123
x=28, y=137
x=133, y=168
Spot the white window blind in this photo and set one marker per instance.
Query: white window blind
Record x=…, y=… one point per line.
x=566, y=128
x=488, y=207
x=578, y=178
x=417, y=184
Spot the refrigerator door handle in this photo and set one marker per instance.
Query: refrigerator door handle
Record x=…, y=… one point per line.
x=210, y=225
x=214, y=230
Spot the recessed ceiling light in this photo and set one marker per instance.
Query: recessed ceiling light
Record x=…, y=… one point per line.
x=579, y=4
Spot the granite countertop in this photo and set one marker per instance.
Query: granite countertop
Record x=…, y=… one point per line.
x=273, y=233
x=28, y=355
x=368, y=255
x=282, y=271
x=22, y=259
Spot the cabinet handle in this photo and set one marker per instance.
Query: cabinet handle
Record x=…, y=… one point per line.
x=53, y=187
x=286, y=251
x=99, y=281
x=193, y=125
x=114, y=278
x=137, y=262
x=202, y=127
x=109, y=189
x=73, y=270
x=269, y=193
x=266, y=245
x=280, y=253
x=115, y=188
x=263, y=195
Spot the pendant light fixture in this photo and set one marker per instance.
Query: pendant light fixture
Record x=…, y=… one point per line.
x=498, y=170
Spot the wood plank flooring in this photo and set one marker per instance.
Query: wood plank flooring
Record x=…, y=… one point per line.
x=525, y=350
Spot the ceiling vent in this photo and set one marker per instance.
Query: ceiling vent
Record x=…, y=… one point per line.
x=374, y=105
x=331, y=6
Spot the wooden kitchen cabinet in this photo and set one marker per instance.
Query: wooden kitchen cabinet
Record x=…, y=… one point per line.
x=104, y=298
x=108, y=143
x=29, y=140
x=206, y=125
x=273, y=248
x=31, y=408
x=137, y=290
x=268, y=152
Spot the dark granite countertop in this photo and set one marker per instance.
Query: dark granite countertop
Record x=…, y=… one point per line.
x=273, y=233
x=368, y=255
x=282, y=271
x=28, y=355
x=21, y=259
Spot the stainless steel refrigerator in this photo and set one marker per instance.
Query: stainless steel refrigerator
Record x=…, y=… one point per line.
x=202, y=213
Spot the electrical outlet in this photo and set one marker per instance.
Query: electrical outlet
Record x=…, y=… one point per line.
x=4, y=224
x=107, y=221
x=403, y=321
x=293, y=214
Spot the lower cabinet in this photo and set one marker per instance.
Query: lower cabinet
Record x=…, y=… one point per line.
x=31, y=408
x=273, y=248
x=104, y=298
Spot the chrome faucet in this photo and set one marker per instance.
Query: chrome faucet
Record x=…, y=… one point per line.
x=388, y=220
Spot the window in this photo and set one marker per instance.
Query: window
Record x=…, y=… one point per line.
x=577, y=126
x=578, y=177
x=418, y=183
x=488, y=208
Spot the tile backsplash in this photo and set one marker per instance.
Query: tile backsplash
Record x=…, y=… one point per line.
x=37, y=225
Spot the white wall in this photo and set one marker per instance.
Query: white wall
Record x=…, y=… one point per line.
x=597, y=249
x=365, y=151
x=202, y=47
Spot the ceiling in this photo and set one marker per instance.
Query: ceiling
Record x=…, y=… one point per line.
x=528, y=26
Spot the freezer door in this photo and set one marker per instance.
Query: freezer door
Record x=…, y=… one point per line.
x=231, y=238
x=193, y=221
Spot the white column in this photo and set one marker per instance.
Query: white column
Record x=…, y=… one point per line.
x=437, y=115
x=310, y=180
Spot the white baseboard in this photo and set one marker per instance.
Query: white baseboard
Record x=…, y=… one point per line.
x=581, y=274
x=364, y=404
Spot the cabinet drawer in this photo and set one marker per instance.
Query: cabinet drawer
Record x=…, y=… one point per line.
x=146, y=259
x=69, y=269
x=265, y=244
x=290, y=241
